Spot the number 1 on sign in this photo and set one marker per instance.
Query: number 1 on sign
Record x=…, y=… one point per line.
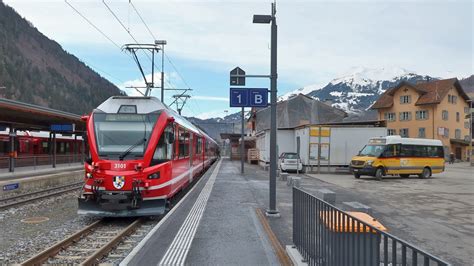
x=239, y=97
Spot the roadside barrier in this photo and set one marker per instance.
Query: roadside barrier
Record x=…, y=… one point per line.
x=326, y=235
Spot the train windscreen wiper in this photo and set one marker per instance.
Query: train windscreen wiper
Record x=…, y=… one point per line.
x=127, y=152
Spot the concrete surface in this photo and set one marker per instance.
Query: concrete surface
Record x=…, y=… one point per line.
x=229, y=232
x=29, y=171
x=435, y=214
x=62, y=176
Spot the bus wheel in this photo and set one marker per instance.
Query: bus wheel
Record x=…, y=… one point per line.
x=426, y=173
x=404, y=175
x=356, y=175
x=379, y=173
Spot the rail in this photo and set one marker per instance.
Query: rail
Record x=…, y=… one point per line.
x=326, y=235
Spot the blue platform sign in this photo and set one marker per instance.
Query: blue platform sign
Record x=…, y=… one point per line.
x=11, y=186
x=240, y=97
x=258, y=97
x=62, y=127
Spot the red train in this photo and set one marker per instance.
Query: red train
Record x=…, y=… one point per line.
x=141, y=154
x=38, y=143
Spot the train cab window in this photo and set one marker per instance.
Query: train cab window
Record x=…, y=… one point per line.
x=164, y=148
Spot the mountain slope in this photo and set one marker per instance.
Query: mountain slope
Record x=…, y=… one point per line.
x=35, y=69
x=359, y=90
x=354, y=92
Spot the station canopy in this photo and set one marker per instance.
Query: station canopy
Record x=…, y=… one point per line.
x=25, y=116
x=298, y=111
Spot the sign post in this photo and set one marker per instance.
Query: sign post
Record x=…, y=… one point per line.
x=245, y=97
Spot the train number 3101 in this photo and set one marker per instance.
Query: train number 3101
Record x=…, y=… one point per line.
x=120, y=166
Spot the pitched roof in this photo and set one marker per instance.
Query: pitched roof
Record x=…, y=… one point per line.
x=431, y=92
x=297, y=111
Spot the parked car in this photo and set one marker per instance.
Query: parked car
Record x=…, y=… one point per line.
x=290, y=161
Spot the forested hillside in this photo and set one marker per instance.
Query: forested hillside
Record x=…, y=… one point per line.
x=35, y=69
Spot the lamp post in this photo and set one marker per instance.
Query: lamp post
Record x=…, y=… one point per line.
x=271, y=19
x=162, y=43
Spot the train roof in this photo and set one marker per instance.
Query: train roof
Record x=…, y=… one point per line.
x=145, y=105
x=397, y=139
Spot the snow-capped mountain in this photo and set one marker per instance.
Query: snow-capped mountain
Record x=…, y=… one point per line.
x=357, y=90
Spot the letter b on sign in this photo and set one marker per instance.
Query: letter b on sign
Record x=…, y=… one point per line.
x=258, y=97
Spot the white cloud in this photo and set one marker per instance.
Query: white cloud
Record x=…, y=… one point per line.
x=212, y=114
x=211, y=98
x=317, y=39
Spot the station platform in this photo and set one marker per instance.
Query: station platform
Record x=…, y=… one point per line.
x=219, y=222
x=30, y=171
x=27, y=179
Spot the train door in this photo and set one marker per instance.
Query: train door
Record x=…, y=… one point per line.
x=191, y=156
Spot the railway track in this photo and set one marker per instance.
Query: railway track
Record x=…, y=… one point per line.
x=90, y=245
x=6, y=203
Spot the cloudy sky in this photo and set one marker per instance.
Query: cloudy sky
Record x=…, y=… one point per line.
x=318, y=40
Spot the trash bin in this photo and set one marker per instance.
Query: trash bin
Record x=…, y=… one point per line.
x=345, y=243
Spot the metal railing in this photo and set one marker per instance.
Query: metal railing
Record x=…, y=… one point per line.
x=40, y=160
x=326, y=235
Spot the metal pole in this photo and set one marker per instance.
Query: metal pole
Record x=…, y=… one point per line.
x=242, y=145
x=54, y=150
x=470, y=134
x=11, y=164
x=273, y=120
x=162, y=73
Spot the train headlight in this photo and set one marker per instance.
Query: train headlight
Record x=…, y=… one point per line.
x=369, y=162
x=154, y=175
x=89, y=175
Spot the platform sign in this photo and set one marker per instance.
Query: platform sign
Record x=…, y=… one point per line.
x=62, y=127
x=237, y=77
x=248, y=97
x=11, y=186
x=258, y=97
x=239, y=97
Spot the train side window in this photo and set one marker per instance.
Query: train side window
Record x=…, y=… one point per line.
x=183, y=140
x=164, y=148
x=198, y=145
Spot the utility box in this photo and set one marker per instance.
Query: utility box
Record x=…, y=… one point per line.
x=348, y=243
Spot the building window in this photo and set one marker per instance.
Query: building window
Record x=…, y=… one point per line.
x=390, y=116
x=422, y=115
x=405, y=116
x=466, y=124
x=457, y=134
x=466, y=110
x=405, y=99
x=457, y=117
x=391, y=132
x=404, y=132
x=446, y=132
x=452, y=99
x=444, y=115
x=421, y=132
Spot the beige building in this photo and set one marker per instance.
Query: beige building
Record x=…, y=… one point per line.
x=433, y=109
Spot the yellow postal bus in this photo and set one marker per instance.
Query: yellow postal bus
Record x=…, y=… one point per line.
x=394, y=155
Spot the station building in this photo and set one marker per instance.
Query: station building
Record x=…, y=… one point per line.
x=313, y=129
x=434, y=109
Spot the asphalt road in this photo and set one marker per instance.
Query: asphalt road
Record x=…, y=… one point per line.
x=435, y=214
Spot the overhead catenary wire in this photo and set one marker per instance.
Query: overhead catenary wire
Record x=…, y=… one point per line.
x=141, y=18
x=125, y=28
x=92, y=24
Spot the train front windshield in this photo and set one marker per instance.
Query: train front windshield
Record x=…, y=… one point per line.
x=123, y=136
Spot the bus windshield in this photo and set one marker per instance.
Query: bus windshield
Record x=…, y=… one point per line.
x=372, y=150
x=123, y=135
